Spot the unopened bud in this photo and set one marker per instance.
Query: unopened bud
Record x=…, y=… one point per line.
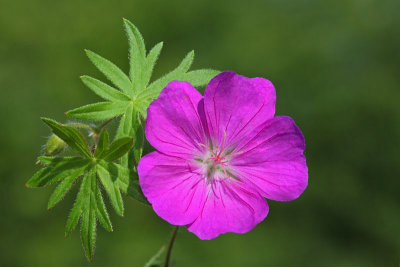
x=54, y=145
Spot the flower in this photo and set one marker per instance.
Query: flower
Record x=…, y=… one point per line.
x=220, y=156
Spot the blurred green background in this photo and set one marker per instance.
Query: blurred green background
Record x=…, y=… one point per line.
x=336, y=68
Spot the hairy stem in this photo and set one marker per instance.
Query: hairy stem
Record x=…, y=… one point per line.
x=98, y=129
x=170, y=245
x=81, y=126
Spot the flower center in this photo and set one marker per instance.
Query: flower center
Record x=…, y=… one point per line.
x=215, y=161
x=217, y=158
x=215, y=164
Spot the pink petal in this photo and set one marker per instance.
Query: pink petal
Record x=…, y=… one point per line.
x=272, y=160
x=231, y=206
x=173, y=186
x=235, y=105
x=173, y=124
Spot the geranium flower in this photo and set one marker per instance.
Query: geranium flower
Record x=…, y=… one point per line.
x=220, y=156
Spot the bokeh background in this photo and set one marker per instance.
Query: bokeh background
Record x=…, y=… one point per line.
x=336, y=68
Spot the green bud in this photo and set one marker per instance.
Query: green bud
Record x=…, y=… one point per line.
x=54, y=145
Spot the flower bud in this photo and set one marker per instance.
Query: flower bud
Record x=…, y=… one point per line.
x=54, y=145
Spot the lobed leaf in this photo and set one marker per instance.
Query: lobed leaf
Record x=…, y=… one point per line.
x=125, y=123
x=102, y=144
x=155, y=88
x=65, y=186
x=200, y=77
x=99, y=111
x=137, y=56
x=77, y=209
x=117, y=149
x=132, y=124
x=111, y=185
x=101, y=212
x=128, y=182
x=47, y=160
x=104, y=90
x=151, y=60
x=71, y=136
x=58, y=169
x=88, y=221
x=111, y=71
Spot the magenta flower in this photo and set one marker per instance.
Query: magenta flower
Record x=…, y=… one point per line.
x=220, y=156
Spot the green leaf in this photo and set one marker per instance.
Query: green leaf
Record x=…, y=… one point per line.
x=151, y=61
x=132, y=124
x=88, y=221
x=71, y=136
x=65, y=185
x=111, y=71
x=155, y=88
x=99, y=111
x=128, y=182
x=137, y=56
x=58, y=169
x=117, y=149
x=104, y=90
x=111, y=185
x=77, y=209
x=89, y=204
x=200, y=77
x=101, y=212
x=102, y=145
x=125, y=123
x=46, y=160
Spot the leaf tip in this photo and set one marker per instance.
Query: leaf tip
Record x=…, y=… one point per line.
x=44, y=119
x=88, y=52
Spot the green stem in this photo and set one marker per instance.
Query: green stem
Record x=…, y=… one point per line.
x=98, y=129
x=81, y=126
x=170, y=245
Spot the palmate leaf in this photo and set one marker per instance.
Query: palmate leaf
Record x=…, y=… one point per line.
x=151, y=61
x=111, y=185
x=132, y=124
x=104, y=90
x=99, y=111
x=200, y=77
x=89, y=205
x=102, y=144
x=137, y=56
x=117, y=149
x=57, y=170
x=65, y=185
x=155, y=88
x=97, y=172
x=111, y=71
x=126, y=179
x=134, y=89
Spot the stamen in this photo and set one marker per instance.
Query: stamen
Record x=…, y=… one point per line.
x=219, y=165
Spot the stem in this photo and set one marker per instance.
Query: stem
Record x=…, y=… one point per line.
x=98, y=129
x=80, y=125
x=170, y=245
